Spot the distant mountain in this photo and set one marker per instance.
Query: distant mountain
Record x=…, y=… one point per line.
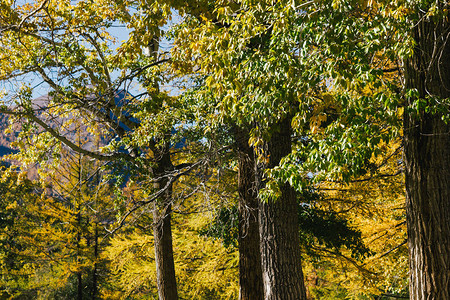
x=5, y=150
x=5, y=139
x=121, y=98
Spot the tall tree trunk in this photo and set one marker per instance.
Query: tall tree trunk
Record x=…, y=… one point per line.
x=78, y=209
x=250, y=272
x=162, y=231
x=165, y=267
x=162, y=210
x=279, y=229
x=79, y=274
x=427, y=160
x=94, y=271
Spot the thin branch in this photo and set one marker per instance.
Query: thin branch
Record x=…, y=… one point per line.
x=393, y=249
x=303, y=5
x=152, y=197
x=348, y=259
x=78, y=184
x=100, y=53
x=390, y=70
x=33, y=13
x=395, y=296
x=76, y=148
x=67, y=142
x=138, y=71
x=378, y=176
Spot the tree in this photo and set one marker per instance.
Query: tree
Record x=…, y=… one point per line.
x=427, y=153
x=270, y=66
x=280, y=241
x=16, y=225
x=76, y=183
x=84, y=87
x=51, y=242
x=206, y=269
x=420, y=28
x=162, y=208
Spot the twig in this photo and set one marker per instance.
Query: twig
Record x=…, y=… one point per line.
x=153, y=197
x=393, y=249
x=33, y=13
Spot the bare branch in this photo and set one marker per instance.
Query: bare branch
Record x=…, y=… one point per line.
x=138, y=71
x=67, y=142
x=393, y=249
x=33, y=13
x=154, y=196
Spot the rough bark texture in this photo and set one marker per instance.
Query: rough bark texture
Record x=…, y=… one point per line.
x=95, y=270
x=79, y=224
x=162, y=231
x=162, y=227
x=250, y=273
x=279, y=231
x=427, y=160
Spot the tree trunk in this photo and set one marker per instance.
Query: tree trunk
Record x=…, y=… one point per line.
x=95, y=270
x=279, y=229
x=250, y=273
x=79, y=274
x=165, y=267
x=162, y=232
x=78, y=228
x=427, y=161
x=162, y=210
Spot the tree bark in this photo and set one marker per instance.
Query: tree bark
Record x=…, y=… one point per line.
x=79, y=274
x=279, y=229
x=250, y=272
x=95, y=269
x=427, y=161
x=162, y=231
x=78, y=228
x=165, y=267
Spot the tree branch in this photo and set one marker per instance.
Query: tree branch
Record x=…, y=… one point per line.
x=393, y=249
x=33, y=13
x=67, y=142
x=138, y=71
x=153, y=197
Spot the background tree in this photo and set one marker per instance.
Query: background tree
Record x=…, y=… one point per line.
x=205, y=268
x=54, y=238
x=75, y=62
x=17, y=268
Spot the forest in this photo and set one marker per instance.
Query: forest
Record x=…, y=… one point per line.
x=225, y=149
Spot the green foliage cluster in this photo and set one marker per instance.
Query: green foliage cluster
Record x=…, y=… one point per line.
x=224, y=227
x=331, y=230
x=315, y=227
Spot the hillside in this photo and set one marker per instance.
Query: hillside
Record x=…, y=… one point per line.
x=5, y=139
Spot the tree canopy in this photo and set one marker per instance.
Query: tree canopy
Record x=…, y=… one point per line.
x=226, y=128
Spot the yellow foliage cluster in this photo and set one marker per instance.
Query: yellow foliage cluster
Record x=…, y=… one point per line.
x=374, y=204
x=205, y=268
